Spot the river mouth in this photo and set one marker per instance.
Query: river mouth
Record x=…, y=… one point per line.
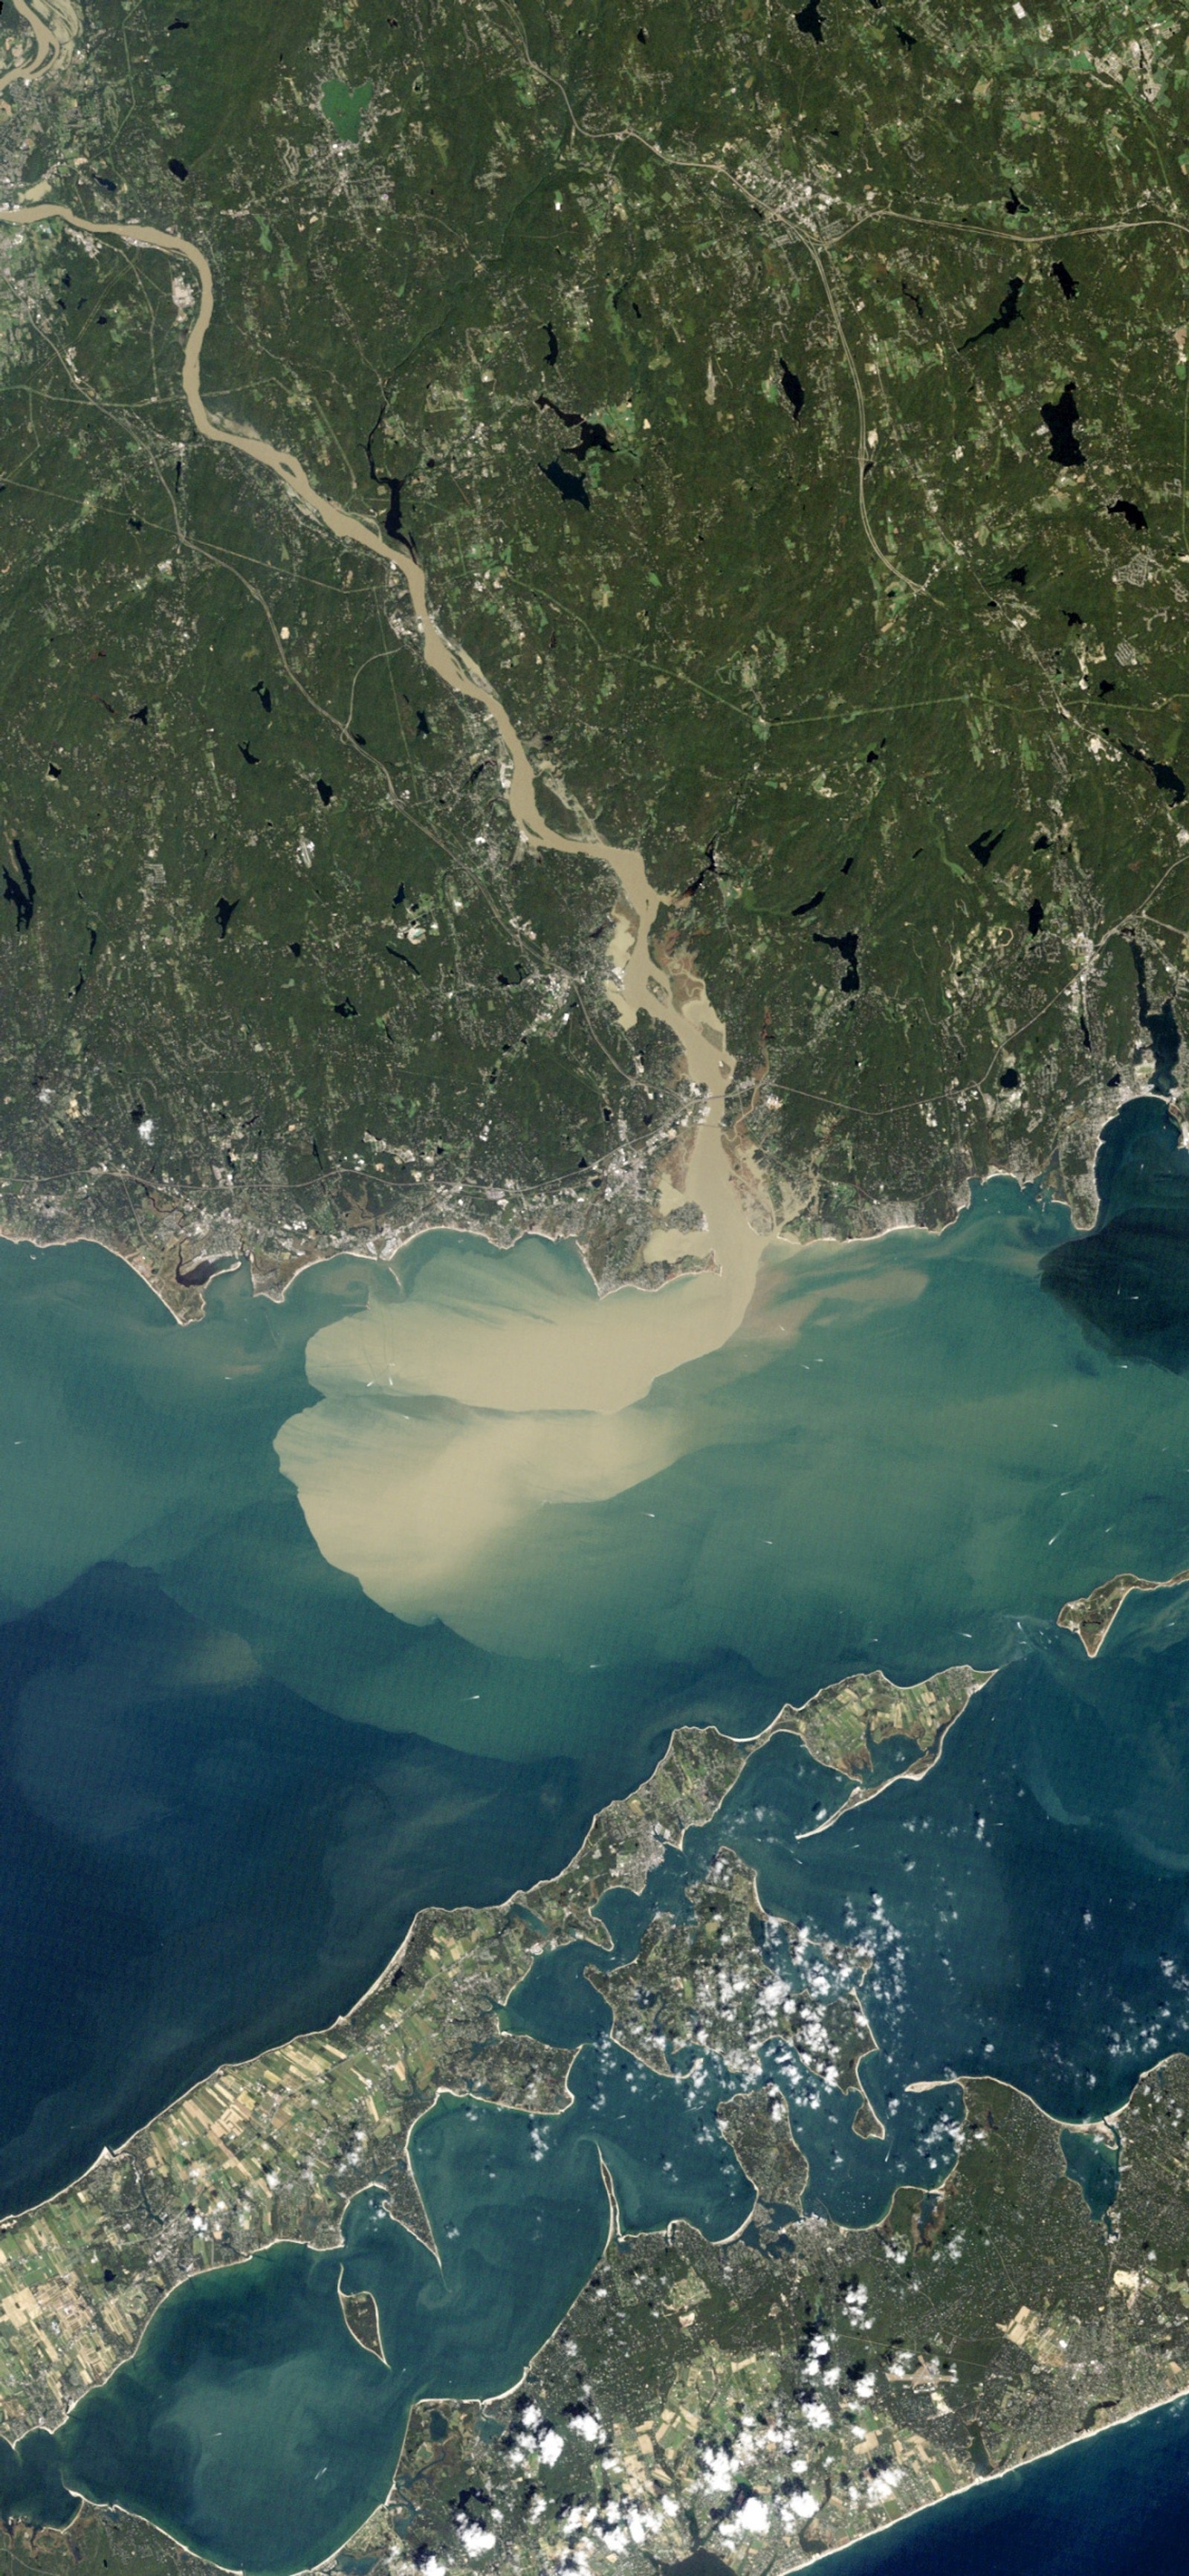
x=639, y=981
x=530, y=1487
x=909, y=1455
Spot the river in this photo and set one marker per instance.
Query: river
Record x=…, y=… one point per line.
x=238, y=1760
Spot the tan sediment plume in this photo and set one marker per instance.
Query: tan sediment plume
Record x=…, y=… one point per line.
x=539, y=1386
x=643, y=983
x=410, y=1507
x=568, y=1353
x=519, y=1332
x=1092, y=1617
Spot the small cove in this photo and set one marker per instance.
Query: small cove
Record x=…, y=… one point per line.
x=680, y=1621
x=206, y=1718
x=253, y=2426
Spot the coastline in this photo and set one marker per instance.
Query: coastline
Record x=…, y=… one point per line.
x=976, y=2483
x=664, y=1831
x=639, y=984
x=384, y=1249
x=333, y=2563
x=979, y=2485
x=503, y=1240
x=667, y=1834
x=791, y=1235
x=665, y=1819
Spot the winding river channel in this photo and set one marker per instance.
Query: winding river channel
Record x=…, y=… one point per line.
x=275, y=1674
x=708, y=1308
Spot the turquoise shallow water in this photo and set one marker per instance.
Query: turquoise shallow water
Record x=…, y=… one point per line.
x=1026, y=1907
x=254, y=2427
x=230, y=1777
x=251, y=2422
x=939, y=1453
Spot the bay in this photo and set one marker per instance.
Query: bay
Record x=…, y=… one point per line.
x=233, y=1771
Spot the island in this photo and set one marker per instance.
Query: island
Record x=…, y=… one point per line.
x=276, y=2148
x=767, y=2397
x=1092, y=1618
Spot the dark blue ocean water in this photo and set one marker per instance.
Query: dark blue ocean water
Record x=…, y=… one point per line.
x=1115, y=2505
x=224, y=1789
x=230, y=1778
